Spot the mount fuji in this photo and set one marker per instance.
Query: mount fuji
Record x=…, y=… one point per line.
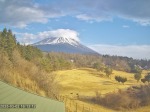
x=62, y=44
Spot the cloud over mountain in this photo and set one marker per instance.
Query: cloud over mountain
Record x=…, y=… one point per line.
x=28, y=38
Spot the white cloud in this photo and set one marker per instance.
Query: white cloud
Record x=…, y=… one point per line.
x=23, y=12
x=67, y=33
x=91, y=18
x=136, y=11
x=20, y=13
x=134, y=51
x=25, y=38
x=143, y=22
x=28, y=38
x=126, y=26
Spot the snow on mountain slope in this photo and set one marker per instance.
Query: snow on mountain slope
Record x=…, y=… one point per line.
x=56, y=40
x=62, y=44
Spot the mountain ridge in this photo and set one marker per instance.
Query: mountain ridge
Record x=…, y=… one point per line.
x=63, y=44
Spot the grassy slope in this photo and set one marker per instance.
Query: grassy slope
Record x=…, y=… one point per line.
x=25, y=83
x=87, y=81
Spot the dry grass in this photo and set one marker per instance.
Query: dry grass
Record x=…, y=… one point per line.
x=87, y=81
x=143, y=109
x=27, y=84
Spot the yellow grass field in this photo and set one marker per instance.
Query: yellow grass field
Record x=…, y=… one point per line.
x=86, y=82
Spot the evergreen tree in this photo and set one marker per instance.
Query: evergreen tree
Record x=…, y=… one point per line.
x=98, y=66
x=3, y=38
x=147, y=77
x=11, y=43
x=123, y=80
x=108, y=71
x=7, y=41
x=137, y=76
x=120, y=79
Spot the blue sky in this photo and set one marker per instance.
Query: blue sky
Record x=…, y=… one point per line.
x=115, y=27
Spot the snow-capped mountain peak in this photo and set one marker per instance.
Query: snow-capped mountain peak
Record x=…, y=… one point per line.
x=58, y=40
x=63, y=44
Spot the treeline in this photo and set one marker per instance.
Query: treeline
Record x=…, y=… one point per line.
x=125, y=63
x=100, y=62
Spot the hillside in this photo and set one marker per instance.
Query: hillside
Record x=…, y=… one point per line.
x=24, y=66
x=81, y=85
x=88, y=81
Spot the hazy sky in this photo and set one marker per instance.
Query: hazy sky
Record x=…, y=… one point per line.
x=115, y=27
